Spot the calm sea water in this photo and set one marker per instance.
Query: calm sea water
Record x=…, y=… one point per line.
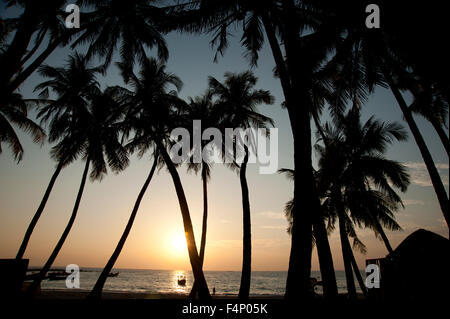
x=165, y=281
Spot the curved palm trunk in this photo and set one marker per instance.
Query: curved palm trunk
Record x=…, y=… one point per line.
x=199, y=277
x=346, y=254
x=39, y=211
x=98, y=288
x=24, y=74
x=244, y=289
x=205, y=215
x=323, y=246
x=61, y=241
x=359, y=278
x=382, y=233
x=330, y=290
x=426, y=155
x=36, y=46
x=444, y=138
x=204, y=227
x=10, y=60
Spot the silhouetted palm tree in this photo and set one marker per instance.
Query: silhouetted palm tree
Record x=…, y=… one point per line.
x=429, y=102
x=154, y=112
x=37, y=21
x=351, y=164
x=133, y=25
x=282, y=21
x=154, y=87
x=14, y=112
x=204, y=109
x=74, y=85
x=90, y=129
x=382, y=56
x=238, y=100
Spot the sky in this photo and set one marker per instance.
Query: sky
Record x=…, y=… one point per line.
x=156, y=240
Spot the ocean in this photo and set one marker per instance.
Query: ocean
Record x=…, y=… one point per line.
x=166, y=281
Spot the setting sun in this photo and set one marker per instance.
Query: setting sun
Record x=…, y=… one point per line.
x=179, y=243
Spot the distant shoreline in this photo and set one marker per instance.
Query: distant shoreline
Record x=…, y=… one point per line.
x=66, y=294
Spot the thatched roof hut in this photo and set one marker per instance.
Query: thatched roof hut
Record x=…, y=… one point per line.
x=419, y=267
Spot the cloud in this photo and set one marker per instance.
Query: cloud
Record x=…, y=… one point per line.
x=272, y=215
x=409, y=202
x=273, y=227
x=419, y=173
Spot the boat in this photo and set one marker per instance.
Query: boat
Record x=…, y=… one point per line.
x=181, y=280
x=57, y=275
x=113, y=274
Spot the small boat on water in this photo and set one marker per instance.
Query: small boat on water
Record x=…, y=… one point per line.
x=113, y=274
x=181, y=280
x=57, y=275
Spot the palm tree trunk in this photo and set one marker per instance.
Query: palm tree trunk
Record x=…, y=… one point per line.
x=440, y=131
x=382, y=233
x=346, y=254
x=426, y=155
x=194, y=258
x=10, y=60
x=24, y=74
x=36, y=46
x=194, y=289
x=98, y=288
x=205, y=214
x=323, y=246
x=39, y=211
x=330, y=290
x=61, y=241
x=358, y=275
x=298, y=283
x=244, y=289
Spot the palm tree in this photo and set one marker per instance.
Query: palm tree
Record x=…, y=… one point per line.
x=74, y=85
x=37, y=19
x=319, y=235
x=154, y=86
x=239, y=100
x=90, y=130
x=135, y=24
x=204, y=109
x=382, y=55
x=351, y=164
x=14, y=111
x=429, y=102
x=154, y=112
x=282, y=21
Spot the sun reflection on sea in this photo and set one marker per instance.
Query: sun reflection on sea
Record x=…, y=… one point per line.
x=177, y=282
